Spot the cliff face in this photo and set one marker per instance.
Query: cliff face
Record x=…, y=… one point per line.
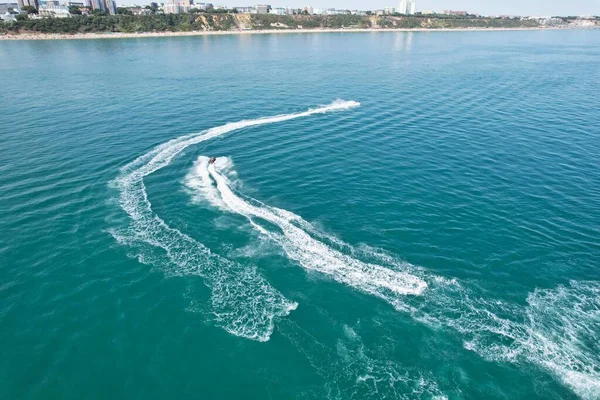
x=243, y=21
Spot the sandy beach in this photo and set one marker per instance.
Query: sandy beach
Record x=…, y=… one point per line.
x=120, y=35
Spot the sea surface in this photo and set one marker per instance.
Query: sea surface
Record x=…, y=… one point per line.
x=389, y=216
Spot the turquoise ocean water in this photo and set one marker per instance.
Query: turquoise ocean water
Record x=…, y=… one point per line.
x=391, y=215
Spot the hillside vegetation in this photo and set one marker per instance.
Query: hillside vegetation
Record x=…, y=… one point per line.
x=229, y=21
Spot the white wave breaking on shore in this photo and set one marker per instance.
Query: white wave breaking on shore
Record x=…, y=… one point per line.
x=243, y=302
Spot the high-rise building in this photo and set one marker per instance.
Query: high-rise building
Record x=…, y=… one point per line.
x=402, y=7
x=172, y=7
x=33, y=3
x=95, y=4
x=185, y=6
x=407, y=7
x=110, y=7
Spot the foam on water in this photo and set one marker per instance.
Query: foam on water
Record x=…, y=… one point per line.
x=352, y=371
x=558, y=331
x=564, y=334
x=315, y=255
x=201, y=185
x=243, y=303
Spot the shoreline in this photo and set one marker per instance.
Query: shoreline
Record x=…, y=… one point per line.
x=122, y=35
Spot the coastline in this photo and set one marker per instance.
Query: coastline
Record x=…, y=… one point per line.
x=122, y=35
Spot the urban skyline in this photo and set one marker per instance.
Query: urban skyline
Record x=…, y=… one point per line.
x=506, y=7
x=58, y=8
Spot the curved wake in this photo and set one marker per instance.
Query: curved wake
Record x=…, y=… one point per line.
x=243, y=303
x=313, y=254
x=558, y=331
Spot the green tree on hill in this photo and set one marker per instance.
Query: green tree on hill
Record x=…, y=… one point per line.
x=29, y=9
x=124, y=11
x=100, y=22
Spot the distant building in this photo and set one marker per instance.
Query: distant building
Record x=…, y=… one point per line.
x=262, y=8
x=278, y=11
x=139, y=11
x=246, y=10
x=389, y=10
x=427, y=12
x=176, y=7
x=55, y=12
x=452, y=12
x=110, y=7
x=548, y=21
x=202, y=6
x=33, y=3
x=171, y=8
x=83, y=6
x=185, y=6
x=95, y=4
x=52, y=9
x=7, y=7
x=107, y=6
x=407, y=7
x=8, y=16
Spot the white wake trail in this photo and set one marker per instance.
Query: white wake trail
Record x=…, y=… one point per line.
x=315, y=255
x=243, y=303
x=559, y=329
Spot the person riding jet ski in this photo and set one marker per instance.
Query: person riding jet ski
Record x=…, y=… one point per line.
x=212, y=160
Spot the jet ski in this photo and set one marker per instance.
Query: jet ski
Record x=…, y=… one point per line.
x=212, y=160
